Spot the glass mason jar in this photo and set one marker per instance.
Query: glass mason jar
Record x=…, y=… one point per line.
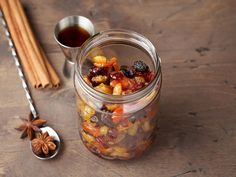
x=128, y=132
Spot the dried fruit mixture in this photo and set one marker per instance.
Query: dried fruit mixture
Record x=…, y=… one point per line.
x=108, y=132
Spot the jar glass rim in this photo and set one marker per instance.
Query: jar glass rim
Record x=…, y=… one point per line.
x=144, y=44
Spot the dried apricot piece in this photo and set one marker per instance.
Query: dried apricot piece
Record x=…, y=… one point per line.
x=116, y=66
x=92, y=130
x=118, y=115
x=114, y=83
x=117, y=90
x=87, y=137
x=100, y=148
x=112, y=62
x=126, y=83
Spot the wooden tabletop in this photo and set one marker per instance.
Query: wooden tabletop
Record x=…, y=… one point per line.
x=196, y=40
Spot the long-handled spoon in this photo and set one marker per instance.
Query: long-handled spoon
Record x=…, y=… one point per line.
x=48, y=129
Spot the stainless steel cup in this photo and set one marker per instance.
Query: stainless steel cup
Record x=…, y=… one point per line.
x=71, y=52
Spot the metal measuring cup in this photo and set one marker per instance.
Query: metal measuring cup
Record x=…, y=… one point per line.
x=72, y=52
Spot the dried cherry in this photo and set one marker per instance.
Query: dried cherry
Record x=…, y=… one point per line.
x=116, y=75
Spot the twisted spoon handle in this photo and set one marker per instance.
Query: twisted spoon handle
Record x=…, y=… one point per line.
x=19, y=68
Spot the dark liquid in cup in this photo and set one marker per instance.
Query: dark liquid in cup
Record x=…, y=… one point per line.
x=73, y=36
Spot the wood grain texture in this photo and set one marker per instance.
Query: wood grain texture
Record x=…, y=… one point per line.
x=196, y=40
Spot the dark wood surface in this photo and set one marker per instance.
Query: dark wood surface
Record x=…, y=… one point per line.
x=196, y=40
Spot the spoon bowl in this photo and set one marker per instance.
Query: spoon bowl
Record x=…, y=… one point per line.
x=57, y=141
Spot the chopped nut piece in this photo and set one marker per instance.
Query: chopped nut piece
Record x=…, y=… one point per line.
x=103, y=62
x=99, y=79
x=104, y=88
x=146, y=126
x=140, y=79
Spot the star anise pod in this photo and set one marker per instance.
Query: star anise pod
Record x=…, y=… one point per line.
x=30, y=126
x=43, y=144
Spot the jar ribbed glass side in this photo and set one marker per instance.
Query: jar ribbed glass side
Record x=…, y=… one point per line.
x=123, y=126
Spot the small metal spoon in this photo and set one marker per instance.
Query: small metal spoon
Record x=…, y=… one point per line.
x=50, y=131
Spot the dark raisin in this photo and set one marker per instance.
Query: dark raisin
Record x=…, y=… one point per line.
x=124, y=67
x=94, y=119
x=94, y=71
x=113, y=133
x=116, y=75
x=104, y=108
x=87, y=65
x=94, y=83
x=127, y=71
x=106, y=120
x=138, y=73
x=140, y=66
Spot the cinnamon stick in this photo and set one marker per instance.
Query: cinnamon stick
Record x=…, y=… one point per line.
x=55, y=81
x=37, y=66
x=18, y=42
x=52, y=73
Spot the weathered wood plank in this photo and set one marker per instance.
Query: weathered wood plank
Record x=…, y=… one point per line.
x=197, y=132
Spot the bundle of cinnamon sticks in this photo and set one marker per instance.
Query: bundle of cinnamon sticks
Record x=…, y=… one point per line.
x=39, y=71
